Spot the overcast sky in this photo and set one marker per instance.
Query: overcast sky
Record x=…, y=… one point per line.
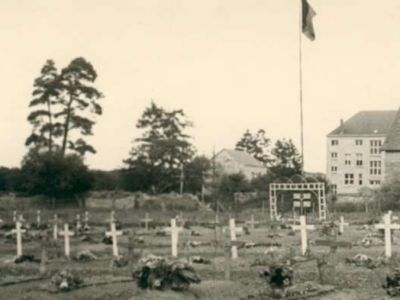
x=231, y=65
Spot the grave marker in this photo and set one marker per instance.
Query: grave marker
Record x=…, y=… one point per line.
x=78, y=223
x=14, y=219
x=86, y=220
x=252, y=222
x=66, y=233
x=232, y=230
x=114, y=233
x=19, y=232
x=342, y=224
x=303, y=231
x=146, y=221
x=387, y=226
x=55, y=227
x=38, y=218
x=174, y=238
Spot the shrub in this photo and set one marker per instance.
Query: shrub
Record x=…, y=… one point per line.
x=55, y=175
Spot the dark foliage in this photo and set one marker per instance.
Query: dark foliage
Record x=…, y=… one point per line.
x=55, y=175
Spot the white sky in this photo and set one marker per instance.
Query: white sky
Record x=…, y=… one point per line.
x=229, y=64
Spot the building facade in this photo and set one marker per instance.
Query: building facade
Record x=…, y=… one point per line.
x=234, y=161
x=354, y=151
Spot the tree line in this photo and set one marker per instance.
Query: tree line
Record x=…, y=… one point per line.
x=65, y=106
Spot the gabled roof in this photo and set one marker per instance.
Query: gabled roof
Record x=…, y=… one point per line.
x=242, y=158
x=392, y=142
x=366, y=123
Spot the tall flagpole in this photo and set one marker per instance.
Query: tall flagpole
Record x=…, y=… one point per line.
x=301, y=84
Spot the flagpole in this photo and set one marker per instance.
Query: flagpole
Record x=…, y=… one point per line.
x=301, y=84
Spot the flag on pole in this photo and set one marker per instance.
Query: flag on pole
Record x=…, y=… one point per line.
x=307, y=24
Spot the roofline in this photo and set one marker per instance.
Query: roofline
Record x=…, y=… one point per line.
x=358, y=135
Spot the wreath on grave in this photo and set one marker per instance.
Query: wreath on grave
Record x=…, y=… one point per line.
x=65, y=281
x=154, y=272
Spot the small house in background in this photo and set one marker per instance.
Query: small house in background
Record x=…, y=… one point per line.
x=235, y=161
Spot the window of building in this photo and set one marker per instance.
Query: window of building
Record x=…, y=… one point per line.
x=334, y=169
x=359, y=142
x=359, y=159
x=360, y=179
x=374, y=182
x=333, y=154
x=347, y=159
x=375, y=146
x=348, y=178
x=334, y=142
x=375, y=167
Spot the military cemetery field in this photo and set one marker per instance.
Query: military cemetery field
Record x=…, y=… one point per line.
x=208, y=250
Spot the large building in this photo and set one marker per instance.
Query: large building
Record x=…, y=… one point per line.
x=234, y=161
x=360, y=149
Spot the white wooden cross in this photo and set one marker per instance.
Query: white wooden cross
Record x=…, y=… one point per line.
x=303, y=231
x=66, y=233
x=55, y=227
x=252, y=222
x=146, y=221
x=342, y=223
x=232, y=230
x=114, y=233
x=174, y=238
x=19, y=232
x=387, y=226
x=38, y=218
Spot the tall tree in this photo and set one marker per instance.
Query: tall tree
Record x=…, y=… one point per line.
x=45, y=94
x=79, y=99
x=255, y=144
x=64, y=101
x=163, y=147
x=287, y=160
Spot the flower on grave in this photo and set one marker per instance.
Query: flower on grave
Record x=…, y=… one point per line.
x=65, y=281
x=155, y=272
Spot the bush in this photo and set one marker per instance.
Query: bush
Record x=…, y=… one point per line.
x=55, y=176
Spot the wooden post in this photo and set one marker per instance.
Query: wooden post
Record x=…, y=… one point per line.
x=342, y=223
x=55, y=227
x=174, y=238
x=38, y=218
x=114, y=233
x=303, y=232
x=78, y=223
x=131, y=245
x=18, y=232
x=227, y=250
x=86, y=219
x=14, y=219
x=232, y=230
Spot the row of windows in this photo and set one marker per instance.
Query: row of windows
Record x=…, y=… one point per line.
x=350, y=180
x=375, y=167
x=375, y=145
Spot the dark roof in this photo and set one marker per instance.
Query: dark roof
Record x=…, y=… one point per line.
x=392, y=142
x=242, y=158
x=367, y=122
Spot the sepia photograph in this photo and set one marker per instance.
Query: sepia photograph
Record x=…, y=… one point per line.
x=187, y=149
